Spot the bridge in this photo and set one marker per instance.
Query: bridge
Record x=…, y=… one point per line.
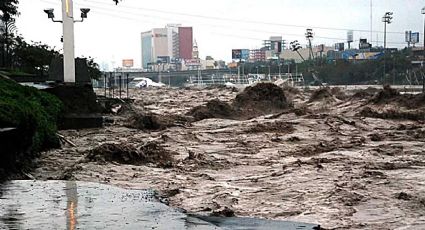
x=172, y=78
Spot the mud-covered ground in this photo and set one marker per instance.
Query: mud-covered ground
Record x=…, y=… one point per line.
x=326, y=160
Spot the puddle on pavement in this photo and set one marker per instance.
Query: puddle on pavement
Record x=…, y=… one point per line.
x=82, y=205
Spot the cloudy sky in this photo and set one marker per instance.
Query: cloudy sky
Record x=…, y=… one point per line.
x=112, y=33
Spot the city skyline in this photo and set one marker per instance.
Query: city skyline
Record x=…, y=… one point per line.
x=112, y=33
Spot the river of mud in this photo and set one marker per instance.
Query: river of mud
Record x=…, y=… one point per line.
x=344, y=160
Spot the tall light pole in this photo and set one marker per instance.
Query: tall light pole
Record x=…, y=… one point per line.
x=309, y=37
x=295, y=46
x=423, y=54
x=423, y=12
x=68, y=37
x=386, y=20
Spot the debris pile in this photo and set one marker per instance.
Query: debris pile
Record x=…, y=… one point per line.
x=276, y=127
x=122, y=153
x=386, y=95
x=213, y=109
x=338, y=93
x=364, y=93
x=261, y=99
x=195, y=161
x=322, y=94
x=156, y=154
x=416, y=115
x=153, y=122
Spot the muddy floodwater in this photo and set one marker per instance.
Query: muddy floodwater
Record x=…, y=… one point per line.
x=344, y=160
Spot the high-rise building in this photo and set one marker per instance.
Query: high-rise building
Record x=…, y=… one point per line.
x=170, y=43
x=185, y=42
x=147, y=49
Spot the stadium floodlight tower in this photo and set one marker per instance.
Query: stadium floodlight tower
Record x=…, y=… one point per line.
x=309, y=36
x=387, y=19
x=68, y=36
x=295, y=46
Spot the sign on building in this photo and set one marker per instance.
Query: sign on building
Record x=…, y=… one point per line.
x=127, y=63
x=192, y=62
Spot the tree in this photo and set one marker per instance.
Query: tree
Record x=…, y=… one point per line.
x=9, y=10
x=33, y=58
x=94, y=71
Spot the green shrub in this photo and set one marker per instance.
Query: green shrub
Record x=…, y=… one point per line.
x=32, y=111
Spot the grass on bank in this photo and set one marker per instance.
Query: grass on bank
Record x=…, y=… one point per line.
x=31, y=110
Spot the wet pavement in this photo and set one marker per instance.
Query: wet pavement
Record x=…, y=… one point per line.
x=83, y=205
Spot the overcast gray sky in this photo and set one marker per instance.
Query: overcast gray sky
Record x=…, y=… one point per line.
x=112, y=33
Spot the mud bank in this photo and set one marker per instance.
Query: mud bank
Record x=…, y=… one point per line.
x=321, y=162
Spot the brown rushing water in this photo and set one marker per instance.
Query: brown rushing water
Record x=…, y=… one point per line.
x=334, y=168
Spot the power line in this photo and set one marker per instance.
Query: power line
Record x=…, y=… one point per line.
x=136, y=17
x=106, y=11
x=239, y=20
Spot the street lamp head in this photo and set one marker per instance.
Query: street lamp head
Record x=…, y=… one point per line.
x=49, y=13
x=423, y=10
x=84, y=12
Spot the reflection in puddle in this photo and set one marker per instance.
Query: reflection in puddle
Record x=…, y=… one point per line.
x=72, y=204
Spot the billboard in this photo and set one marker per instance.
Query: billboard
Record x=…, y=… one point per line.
x=236, y=54
x=127, y=63
x=364, y=44
x=245, y=54
x=163, y=59
x=339, y=46
x=412, y=37
x=350, y=36
x=415, y=38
